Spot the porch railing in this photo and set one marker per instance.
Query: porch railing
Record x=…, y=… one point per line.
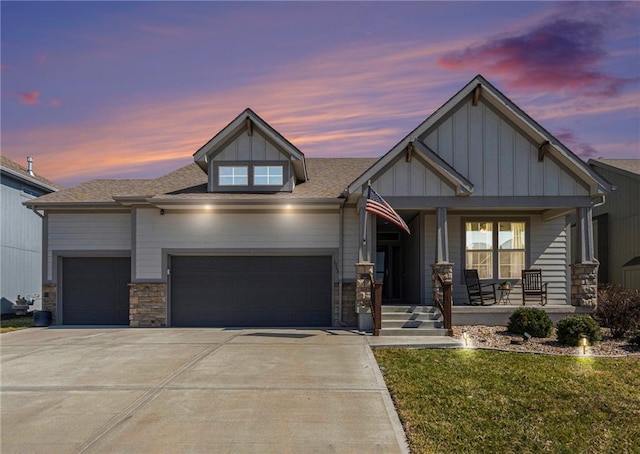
x=377, y=308
x=445, y=303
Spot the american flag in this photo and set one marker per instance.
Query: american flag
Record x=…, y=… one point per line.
x=379, y=206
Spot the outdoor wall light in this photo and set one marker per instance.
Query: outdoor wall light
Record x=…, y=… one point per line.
x=583, y=344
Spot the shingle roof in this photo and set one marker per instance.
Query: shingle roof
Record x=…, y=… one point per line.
x=7, y=163
x=327, y=179
x=630, y=165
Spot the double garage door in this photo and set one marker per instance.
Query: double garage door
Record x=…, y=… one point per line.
x=221, y=291
x=255, y=291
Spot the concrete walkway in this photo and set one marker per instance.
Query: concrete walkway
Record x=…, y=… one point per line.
x=193, y=390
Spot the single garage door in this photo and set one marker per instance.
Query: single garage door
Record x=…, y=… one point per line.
x=95, y=290
x=251, y=291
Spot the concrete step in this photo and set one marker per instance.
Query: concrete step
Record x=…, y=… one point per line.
x=410, y=316
x=415, y=341
x=413, y=332
x=386, y=309
x=413, y=324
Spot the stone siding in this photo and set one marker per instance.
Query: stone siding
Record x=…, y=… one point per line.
x=148, y=305
x=364, y=277
x=49, y=301
x=446, y=269
x=349, y=316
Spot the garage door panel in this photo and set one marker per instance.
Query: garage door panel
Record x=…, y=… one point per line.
x=251, y=291
x=95, y=290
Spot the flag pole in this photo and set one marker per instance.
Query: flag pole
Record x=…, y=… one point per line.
x=364, y=234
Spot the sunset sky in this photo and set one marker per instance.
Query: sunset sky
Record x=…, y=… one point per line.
x=133, y=89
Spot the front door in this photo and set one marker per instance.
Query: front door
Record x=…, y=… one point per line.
x=388, y=270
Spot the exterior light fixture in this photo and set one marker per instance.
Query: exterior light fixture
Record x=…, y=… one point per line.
x=526, y=336
x=583, y=344
x=161, y=212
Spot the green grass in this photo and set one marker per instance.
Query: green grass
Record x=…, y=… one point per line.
x=16, y=323
x=463, y=401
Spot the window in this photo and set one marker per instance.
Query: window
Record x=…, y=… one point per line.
x=495, y=249
x=267, y=176
x=233, y=175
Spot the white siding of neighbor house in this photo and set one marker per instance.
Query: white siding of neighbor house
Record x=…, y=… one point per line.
x=230, y=232
x=411, y=179
x=548, y=250
x=250, y=148
x=87, y=231
x=351, y=243
x=496, y=157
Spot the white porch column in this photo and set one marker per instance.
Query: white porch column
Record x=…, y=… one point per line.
x=584, y=230
x=442, y=236
x=584, y=273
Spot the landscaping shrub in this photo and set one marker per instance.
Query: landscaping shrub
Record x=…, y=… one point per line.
x=571, y=330
x=531, y=320
x=635, y=340
x=618, y=309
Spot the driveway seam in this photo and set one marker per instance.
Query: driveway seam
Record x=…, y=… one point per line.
x=148, y=396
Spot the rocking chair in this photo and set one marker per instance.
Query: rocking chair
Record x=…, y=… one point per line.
x=532, y=285
x=479, y=294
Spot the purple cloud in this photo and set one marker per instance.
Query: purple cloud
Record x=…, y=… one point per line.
x=557, y=55
x=30, y=97
x=584, y=150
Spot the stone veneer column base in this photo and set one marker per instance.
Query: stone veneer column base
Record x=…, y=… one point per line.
x=584, y=284
x=49, y=301
x=444, y=268
x=148, y=305
x=349, y=316
x=364, y=275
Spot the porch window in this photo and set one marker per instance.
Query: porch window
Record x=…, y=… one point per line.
x=495, y=248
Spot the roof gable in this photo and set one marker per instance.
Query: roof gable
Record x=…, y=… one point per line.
x=249, y=122
x=627, y=167
x=480, y=89
x=16, y=170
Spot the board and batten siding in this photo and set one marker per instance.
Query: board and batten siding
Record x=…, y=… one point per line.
x=87, y=231
x=548, y=250
x=228, y=232
x=412, y=178
x=250, y=148
x=499, y=159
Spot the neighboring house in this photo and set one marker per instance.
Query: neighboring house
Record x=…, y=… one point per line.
x=253, y=233
x=618, y=222
x=21, y=233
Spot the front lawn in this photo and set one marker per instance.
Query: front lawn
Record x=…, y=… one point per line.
x=16, y=323
x=487, y=401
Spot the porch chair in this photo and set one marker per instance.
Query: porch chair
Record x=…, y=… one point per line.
x=479, y=294
x=532, y=286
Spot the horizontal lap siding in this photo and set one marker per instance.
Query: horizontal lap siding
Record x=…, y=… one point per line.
x=243, y=232
x=351, y=243
x=87, y=231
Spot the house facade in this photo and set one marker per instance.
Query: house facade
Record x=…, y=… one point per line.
x=21, y=233
x=254, y=233
x=617, y=222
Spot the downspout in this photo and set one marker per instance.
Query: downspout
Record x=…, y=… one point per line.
x=341, y=260
x=600, y=203
x=41, y=216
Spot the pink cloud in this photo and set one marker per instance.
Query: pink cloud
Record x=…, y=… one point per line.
x=55, y=103
x=30, y=97
x=584, y=150
x=562, y=54
x=41, y=59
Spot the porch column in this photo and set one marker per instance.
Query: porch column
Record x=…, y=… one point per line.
x=442, y=265
x=584, y=273
x=367, y=239
x=364, y=280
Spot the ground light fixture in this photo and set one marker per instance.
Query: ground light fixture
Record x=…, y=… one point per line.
x=583, y=344
x=526, y=336
x=465, y=338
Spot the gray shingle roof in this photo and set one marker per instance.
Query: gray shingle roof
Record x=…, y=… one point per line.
x=7, y=163
x=630, y=165
x=327, y=179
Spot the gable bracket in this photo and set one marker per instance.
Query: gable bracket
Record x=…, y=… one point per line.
x=407, y=157
x=543, y=149
x=249, y=126
x=476, y=94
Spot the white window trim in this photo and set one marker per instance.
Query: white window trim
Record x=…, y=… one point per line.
x=233, y=176
x=268, y=175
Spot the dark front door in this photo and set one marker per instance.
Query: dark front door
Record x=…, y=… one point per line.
x=95, y=290
x=260, y=291
x=388, y=269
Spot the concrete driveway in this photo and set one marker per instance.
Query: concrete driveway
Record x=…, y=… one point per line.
x=193, y=390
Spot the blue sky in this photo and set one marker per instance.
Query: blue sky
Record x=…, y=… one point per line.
x=133, y=89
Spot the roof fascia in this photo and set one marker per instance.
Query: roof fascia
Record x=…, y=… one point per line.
x=71, y=205
x=29, y=179
x=254, y=204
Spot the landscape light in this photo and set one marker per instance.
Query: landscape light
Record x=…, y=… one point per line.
x=584, y=343
x=465, y=338
x=526, y=336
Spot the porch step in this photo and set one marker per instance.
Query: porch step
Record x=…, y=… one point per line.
x=411, y=321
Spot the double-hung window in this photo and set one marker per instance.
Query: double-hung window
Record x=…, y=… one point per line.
x=495, y=248
x=233, y=176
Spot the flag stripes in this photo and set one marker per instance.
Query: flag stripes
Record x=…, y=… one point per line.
x=379, y=206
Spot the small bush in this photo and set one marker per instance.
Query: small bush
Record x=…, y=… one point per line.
x=572, y=329
x=618, y=309
x=635, y=340
x=531, y=320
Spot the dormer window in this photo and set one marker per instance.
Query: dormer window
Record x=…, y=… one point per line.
x=233, y=176
x=267, y=176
